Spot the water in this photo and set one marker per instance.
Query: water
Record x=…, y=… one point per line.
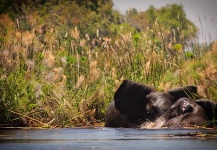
x=107, y=138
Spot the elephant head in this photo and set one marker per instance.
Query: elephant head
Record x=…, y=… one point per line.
x=157, y=103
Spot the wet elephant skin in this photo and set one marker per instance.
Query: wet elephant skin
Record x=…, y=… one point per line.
x=135, y=103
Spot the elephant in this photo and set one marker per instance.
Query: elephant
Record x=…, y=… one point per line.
x=159, y=102
x=210, y=108
x=184, y=112
x=135, y=103
x=187, y=112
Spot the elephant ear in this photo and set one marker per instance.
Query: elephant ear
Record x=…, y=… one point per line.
x=187, y=91
x=210, y=108
x=130, y=99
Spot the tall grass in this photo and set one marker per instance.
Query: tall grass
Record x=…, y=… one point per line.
x=51, y=77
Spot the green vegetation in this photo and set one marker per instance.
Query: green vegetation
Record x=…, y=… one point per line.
x=62, y=60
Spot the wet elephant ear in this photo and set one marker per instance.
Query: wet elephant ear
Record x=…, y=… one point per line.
x=210, y=108
x=130, y=99
x=187, y=91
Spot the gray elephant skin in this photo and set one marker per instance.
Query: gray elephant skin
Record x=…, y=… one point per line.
x=135, y=105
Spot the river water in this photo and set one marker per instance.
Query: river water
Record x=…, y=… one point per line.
x=107, y=138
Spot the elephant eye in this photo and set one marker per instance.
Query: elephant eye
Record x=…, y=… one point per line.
x=152, y=113
x=153, y=110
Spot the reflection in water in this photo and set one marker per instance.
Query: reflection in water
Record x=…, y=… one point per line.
x=107, y=138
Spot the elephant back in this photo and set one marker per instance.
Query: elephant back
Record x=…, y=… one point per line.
x=186, y=91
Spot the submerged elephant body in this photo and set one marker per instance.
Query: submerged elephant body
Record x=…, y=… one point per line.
x=136, y=105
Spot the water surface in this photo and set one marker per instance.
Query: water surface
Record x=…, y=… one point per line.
x=108, y=138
